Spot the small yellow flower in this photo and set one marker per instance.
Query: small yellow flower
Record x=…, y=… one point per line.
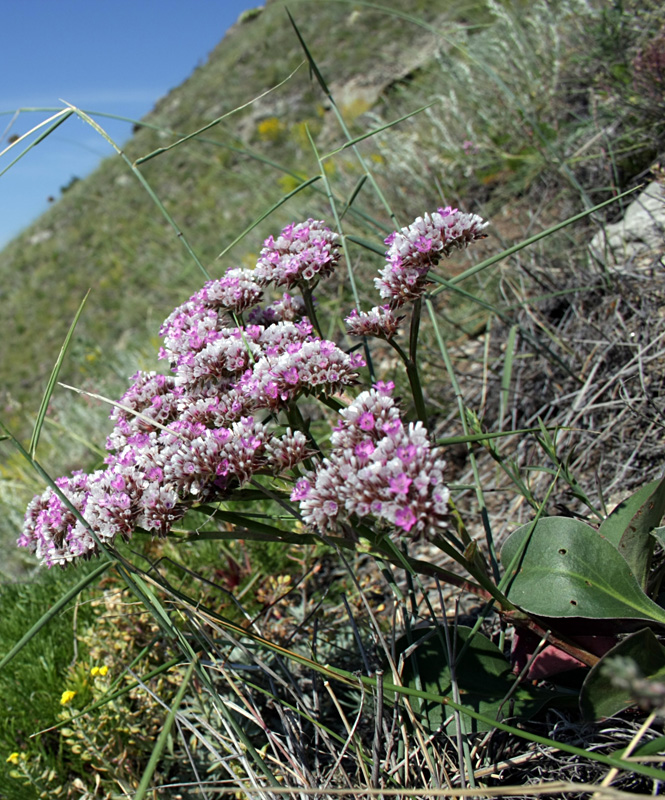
x=67, y=697
x=13, y=759
x=94, y=672
x=103, y=670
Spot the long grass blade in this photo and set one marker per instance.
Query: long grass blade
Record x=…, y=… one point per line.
x=164, y=734
x=374, y=131
x=50, y=387
x=215, y=122
x=488, y=262
x=59, y=118
x=342, y=123
x=267, y=213
x=55, y=609
x=507, y=373
x=142, y=180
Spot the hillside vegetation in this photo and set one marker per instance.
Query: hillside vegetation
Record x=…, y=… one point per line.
x=525, y=113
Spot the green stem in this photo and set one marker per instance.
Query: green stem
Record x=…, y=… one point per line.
x=414, y=381
x=413, y=333
x=309, y=307
x=297, y=423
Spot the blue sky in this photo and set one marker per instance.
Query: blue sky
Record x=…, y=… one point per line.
x=114, y=56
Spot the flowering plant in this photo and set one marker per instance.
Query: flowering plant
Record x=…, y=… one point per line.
x=231, y=417
x=228, y=412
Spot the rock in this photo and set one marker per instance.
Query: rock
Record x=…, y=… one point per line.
x=41, y=236
x=640, y=233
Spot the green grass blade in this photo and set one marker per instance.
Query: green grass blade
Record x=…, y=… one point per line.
x=507, y=373
x=215, y=122
x=162, y=739
x=59, y=118
x=483, y=437
x=142, y=180
x=534, y=341
x=340, y=119
x=611, y=761
x=355, y=192
x=41, y=414
x=248, y=524
x=368, y=245
x=312, y=63
x=141, y=584
x=54, y=611
x=465, y=426
x=374, y=131
x=267, y=213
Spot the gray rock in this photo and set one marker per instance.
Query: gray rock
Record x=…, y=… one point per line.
x=641, y=232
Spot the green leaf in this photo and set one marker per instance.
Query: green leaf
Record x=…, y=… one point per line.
x=164, y=734
x=629, y=525
x=373, y=247
x=246, y=524
x=599, y=696
x=659, y=535
x=651, y=748
x=483, y=675
x=615, y=524
x=41, y=414
x=54, y=611
x=568, y=570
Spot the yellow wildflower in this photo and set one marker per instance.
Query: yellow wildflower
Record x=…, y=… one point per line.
x=13, y=759
x=67, y=697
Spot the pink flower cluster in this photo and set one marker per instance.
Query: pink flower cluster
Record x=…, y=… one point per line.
x=380, y=321
x=300, y=256
x=412, y=251
x=207, y=428
x=210, y=426
x=378, y=468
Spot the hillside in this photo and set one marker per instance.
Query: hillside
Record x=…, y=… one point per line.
x=506, y=128
x=107, y=235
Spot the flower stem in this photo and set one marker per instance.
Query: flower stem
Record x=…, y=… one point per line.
x=413, y=333
x=297, y=423
x=414, y=381
x=308, y=298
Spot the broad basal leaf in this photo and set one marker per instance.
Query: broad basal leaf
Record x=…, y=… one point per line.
x=629, y=525
x=600, y=696
x=483, y=675
x=568, y=570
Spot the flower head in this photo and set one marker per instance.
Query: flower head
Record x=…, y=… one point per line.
x=67, y=697
x=301, y=255
x=380, y=321
x=413, y=250
x=289, y=308
x=378, y=467
x=236, y=291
